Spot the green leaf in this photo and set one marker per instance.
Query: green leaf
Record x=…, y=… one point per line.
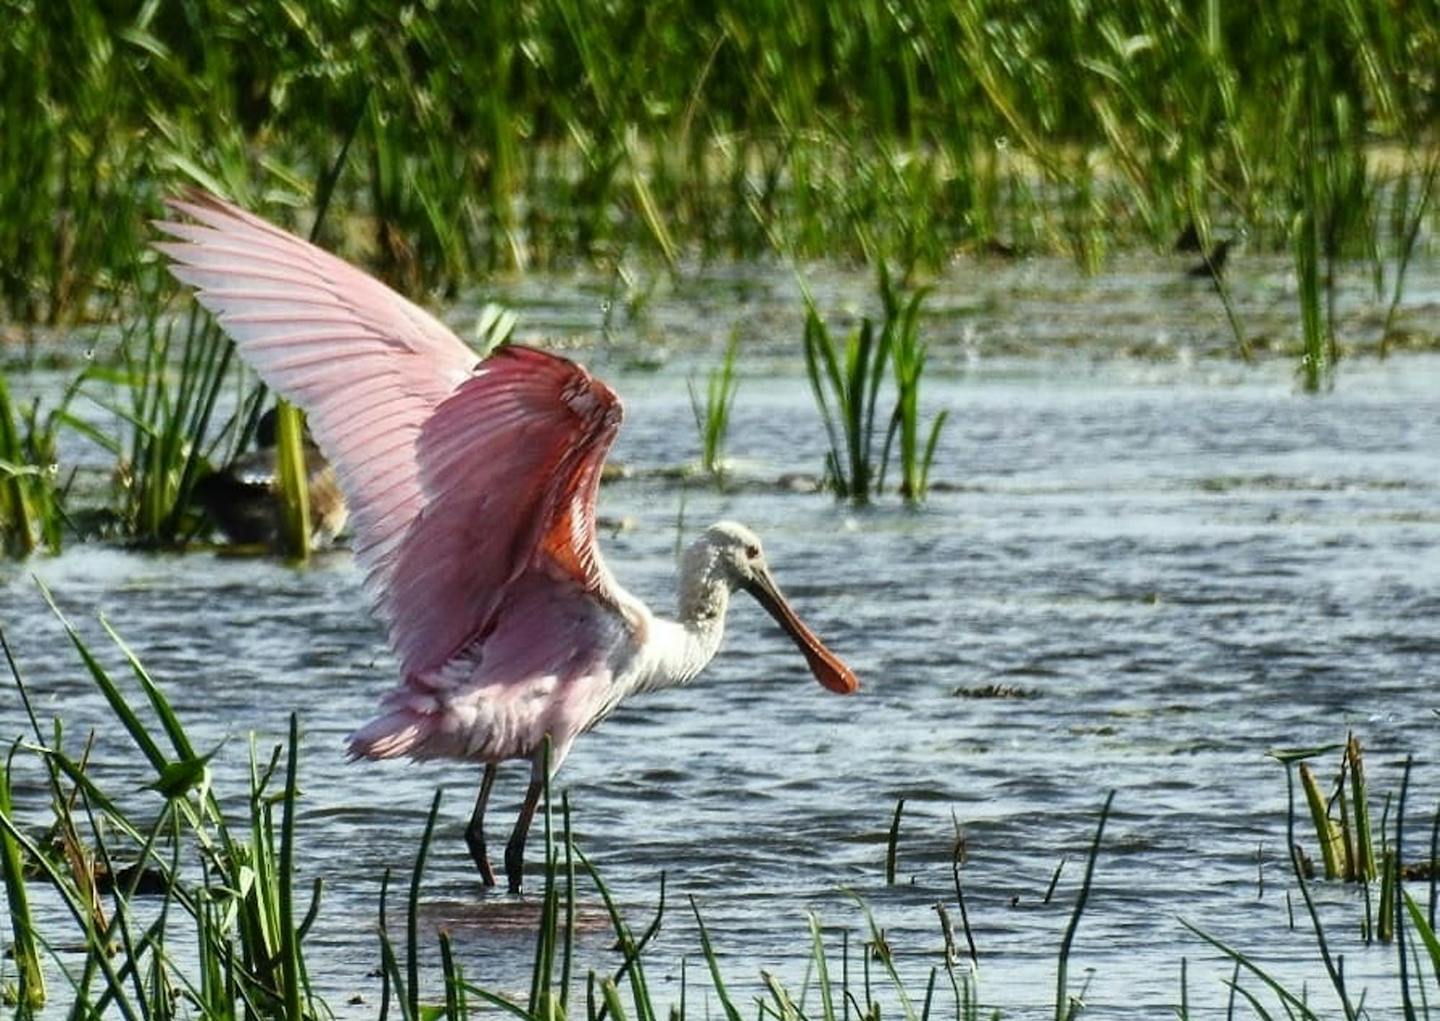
x=1289, y=755
x=177, y=778
x=1427, y=934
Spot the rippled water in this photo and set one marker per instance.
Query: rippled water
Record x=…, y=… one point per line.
x=1181, y=565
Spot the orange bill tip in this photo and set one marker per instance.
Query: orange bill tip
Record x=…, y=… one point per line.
x=827, y=667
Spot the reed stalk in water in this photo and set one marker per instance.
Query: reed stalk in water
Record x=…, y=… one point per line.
x=712, y=418
x=1333, y=849
x=292, y=481
x=31, y=496
x=29, y=992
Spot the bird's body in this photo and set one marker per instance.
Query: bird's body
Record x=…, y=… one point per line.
x=243, y=499
x=472, y=486
x=1213, y=265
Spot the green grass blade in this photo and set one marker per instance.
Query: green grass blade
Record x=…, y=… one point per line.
x=1291, y=1001
x=822, y=972
x=137, y=730
x=1062, y=1007
x=24, y=950
x=290, y=964
x=158, y=702
x=887, y=958
x=718, y=980
x=1423, y=930
x=412, y=910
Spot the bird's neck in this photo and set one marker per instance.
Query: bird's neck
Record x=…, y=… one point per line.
x=681, y=648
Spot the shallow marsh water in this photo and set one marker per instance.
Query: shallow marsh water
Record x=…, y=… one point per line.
x=1182, y=563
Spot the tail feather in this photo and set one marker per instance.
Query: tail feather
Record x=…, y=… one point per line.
x=418, y=734
x=402, y=732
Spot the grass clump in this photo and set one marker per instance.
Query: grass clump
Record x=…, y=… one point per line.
x=1399, y=919
x=1341, y=820
x=846, y=381
x=165, y=390
x=31, y=496
x=712, y=418
x=226, y=888
x=846, y=384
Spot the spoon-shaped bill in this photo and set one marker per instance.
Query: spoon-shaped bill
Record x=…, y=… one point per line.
x=824, y=664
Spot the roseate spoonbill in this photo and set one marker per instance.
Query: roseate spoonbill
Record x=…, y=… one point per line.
x=472, y=488
x=243, y=501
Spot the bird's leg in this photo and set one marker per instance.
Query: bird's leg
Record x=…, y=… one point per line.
x=475, y=832
x=515, y=849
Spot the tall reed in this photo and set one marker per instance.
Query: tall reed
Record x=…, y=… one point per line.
x=556, y=132
x=292, y=481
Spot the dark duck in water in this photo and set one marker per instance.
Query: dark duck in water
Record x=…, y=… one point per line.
x=243, y=498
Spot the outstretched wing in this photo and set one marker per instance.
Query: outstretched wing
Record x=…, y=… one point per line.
x=457, y=477
x=510, y=467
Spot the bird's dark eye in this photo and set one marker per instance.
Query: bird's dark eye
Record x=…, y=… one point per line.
x=752, y=552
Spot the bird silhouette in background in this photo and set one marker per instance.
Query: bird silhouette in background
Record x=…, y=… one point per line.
x=243, y=498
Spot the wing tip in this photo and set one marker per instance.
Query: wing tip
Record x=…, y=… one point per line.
x=192, y=196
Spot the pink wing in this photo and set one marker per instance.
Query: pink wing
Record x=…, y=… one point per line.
x=457, y=477
x=510, y=466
